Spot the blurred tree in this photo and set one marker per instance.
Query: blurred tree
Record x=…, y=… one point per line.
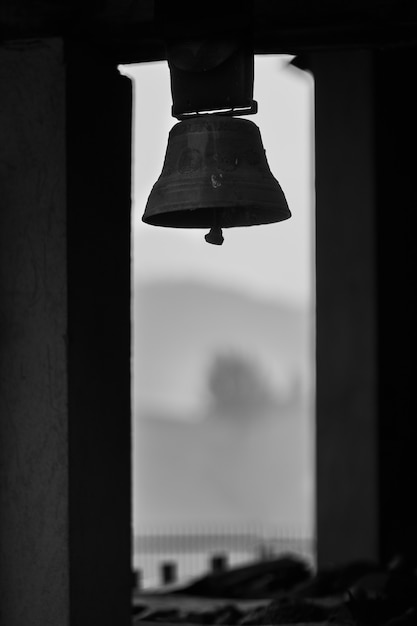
x=238, y=386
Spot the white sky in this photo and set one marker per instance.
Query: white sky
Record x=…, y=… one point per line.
x=275, y=261
x=272, y=260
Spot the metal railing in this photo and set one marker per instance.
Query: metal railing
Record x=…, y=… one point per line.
x=180, y=553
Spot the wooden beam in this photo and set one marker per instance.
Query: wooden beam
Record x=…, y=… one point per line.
x=130, y=32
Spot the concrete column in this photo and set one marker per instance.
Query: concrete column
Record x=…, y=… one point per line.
x=347, y=369
x=99, y=139
x=64, y=337
x=34, y=531
x=366, y=133
x=396, y=140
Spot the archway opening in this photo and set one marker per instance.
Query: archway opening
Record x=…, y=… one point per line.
x=223, y=383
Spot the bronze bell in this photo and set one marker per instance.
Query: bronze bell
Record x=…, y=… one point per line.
x=215, y=175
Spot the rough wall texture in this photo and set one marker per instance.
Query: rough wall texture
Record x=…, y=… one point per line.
x=33, y=311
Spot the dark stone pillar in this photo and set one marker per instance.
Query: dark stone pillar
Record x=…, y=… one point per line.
x=99, y=109
x=347, y=409
x=366, y=132
x=396, y=202
x=65, y=118
x=34, y=531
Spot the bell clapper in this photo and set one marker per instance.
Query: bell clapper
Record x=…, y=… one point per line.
x=215, y=236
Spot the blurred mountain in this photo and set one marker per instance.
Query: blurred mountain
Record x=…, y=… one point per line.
x=181, y=327
x=202, y=463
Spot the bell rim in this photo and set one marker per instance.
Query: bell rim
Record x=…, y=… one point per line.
x=224, y=216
